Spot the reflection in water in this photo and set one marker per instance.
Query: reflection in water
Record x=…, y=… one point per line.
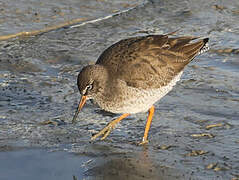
x=139, y=165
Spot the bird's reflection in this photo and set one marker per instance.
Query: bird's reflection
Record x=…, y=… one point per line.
x=125, y=165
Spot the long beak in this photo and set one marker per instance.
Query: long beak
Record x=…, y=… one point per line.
x=80, y=106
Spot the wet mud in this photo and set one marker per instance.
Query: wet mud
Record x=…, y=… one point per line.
x=195, y=130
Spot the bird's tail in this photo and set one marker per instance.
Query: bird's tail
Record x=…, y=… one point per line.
x=205, y=48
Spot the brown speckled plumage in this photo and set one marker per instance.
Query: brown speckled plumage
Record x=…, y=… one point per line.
x=132, y=74
x=150, y=61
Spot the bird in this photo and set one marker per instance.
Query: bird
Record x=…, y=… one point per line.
x=133, y=74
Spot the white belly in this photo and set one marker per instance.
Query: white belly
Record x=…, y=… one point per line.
x=142, y=99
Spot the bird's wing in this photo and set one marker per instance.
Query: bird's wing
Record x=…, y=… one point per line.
x=150, y=61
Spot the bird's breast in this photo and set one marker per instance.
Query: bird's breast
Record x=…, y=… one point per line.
x=134, y=100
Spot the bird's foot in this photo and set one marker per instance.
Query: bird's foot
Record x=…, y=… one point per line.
x=105, y=131
x=143, y=142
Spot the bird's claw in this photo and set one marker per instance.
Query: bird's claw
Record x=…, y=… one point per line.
x=105, y=131
x=143, y=142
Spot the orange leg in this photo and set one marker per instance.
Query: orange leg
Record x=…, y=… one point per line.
x=147, y=127
x=106, y=131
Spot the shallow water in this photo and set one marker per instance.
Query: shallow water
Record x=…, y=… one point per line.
x=38, y=83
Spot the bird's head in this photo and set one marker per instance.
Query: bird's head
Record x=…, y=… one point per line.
x=90, y=81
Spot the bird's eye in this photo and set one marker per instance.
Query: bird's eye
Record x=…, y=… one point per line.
x=89, y=87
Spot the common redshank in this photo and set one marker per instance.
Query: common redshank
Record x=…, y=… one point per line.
x=133, y=74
